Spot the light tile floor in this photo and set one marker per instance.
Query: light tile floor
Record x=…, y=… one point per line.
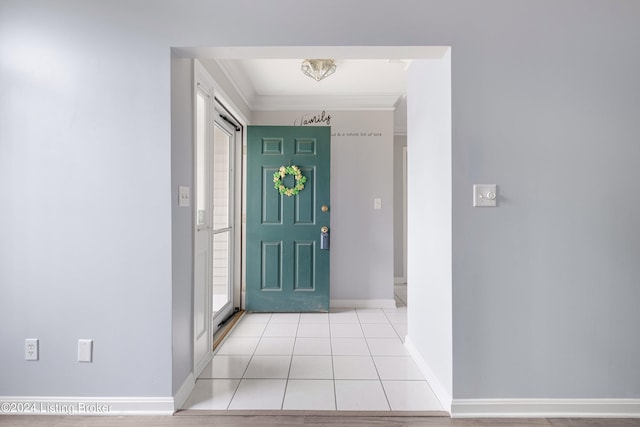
x=348, y=359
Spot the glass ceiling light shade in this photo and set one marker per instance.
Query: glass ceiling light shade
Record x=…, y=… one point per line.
x=318, y=69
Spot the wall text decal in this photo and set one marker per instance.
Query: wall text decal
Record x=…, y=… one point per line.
x=313, y=119
x=367, y=134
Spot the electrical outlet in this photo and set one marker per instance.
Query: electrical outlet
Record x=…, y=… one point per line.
x=31, y=349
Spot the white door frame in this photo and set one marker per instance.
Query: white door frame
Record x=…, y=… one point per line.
x=404, y=213
x=218, y=105
x=202, y=247
x=230, y=131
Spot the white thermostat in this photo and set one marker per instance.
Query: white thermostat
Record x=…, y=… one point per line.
x=484, y=195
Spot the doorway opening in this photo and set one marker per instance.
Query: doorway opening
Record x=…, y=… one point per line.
x=438, y=366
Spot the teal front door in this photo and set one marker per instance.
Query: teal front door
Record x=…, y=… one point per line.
x=287, y=257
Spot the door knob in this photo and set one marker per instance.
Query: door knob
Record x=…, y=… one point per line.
x=324, y=229
x=324, y=208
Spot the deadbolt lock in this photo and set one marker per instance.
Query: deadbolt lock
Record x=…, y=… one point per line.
x=324, y=237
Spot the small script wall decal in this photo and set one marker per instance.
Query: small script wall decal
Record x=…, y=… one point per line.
x=313, y=119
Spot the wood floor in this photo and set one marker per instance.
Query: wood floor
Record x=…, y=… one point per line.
x=335, y=420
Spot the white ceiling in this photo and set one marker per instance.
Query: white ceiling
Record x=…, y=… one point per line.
x=273, y=77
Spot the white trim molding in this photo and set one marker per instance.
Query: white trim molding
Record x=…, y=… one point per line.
x=362, y=303
x=444, y=397
x=184, y=391
x=545, y=408
x=65, y=405
x=324, y=102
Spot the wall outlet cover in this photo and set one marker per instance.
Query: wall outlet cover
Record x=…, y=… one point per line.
x=85, y=350
x=31, y=349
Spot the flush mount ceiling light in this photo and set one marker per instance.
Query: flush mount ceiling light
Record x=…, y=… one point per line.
x=318, y=69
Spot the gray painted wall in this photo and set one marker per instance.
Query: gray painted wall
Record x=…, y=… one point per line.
x=361, y=237
x=85, y=216
x=181, y=219
x=399, y=141
x=544, y=105
x=545, y=287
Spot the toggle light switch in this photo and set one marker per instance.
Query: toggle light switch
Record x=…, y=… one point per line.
x=484, y=195
x=184, y=196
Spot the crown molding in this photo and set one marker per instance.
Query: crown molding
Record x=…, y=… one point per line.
x=238, y=80
x=327, y=102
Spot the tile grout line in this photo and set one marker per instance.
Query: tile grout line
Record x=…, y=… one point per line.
x=295, y=339
x=250, y=359
x=366, y=339
x=333, y=367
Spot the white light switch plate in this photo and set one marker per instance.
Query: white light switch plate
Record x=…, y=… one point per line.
x=484, y=195
x=85, y=350
x=377, y=203
x=184, y=196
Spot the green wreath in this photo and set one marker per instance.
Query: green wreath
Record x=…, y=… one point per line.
x=289, y=170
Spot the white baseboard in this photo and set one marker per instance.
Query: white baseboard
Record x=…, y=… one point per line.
x=362, y=303
x=109, y=406
x=184, y=391
x=545, y=408
x=399, y=280
x=444, y=397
